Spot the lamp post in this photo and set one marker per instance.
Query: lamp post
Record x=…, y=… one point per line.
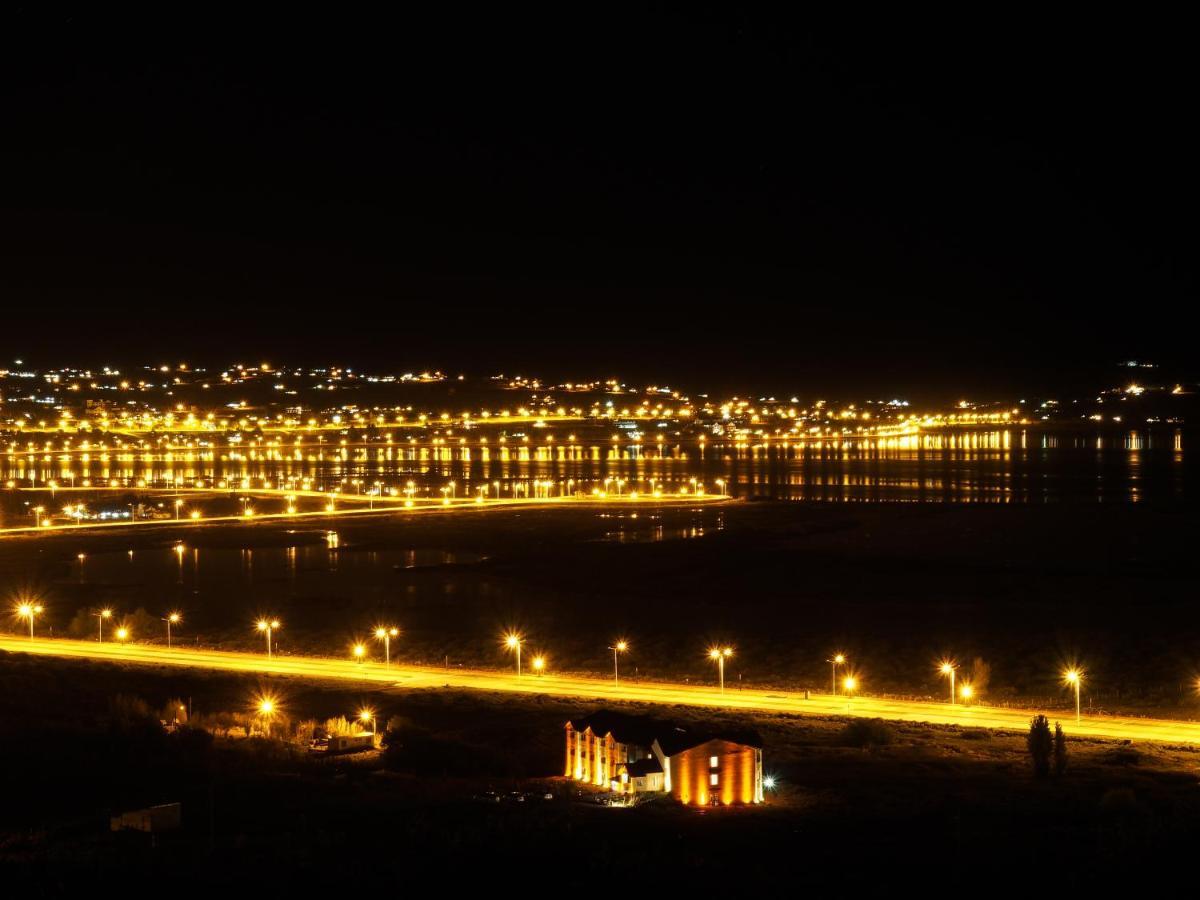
x=1074, y=677
x=266, y=708
x=850, y=684
x=948, y=668
x=386, y=634
x=619, y=647
x=368, y=715
x=172, y=619
x=719, y=655
x=513, y=642
x=360, y=653
x=266, y=626
x=838, y=659
x=30, y=611
x=100, y=617
x=539, y=664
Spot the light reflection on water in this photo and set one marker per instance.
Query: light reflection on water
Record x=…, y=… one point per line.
x=1003, y=465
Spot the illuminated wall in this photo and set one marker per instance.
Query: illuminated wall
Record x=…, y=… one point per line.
x=737, y=774
x=690, y=775
x=593, y=758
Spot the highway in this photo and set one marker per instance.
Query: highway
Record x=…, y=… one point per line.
x=400, y=676
x=379, y=508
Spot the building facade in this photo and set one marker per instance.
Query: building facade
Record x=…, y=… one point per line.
x=634, y=755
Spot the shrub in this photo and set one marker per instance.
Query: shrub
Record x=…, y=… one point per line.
x=867, y=733
x=1123, y=756
x=975, y=734
x=1041, y=745
x=1060, y=750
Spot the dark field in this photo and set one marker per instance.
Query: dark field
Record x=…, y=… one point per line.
x=849, y=810
x=896, y=587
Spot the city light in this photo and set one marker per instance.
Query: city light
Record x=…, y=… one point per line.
x=1073, y=677
x=719, y=655
x=172, y=619
x=386, y=633
x=267, y=627
x=101, y=615
x=949, y=669
x=366, y=715
x=513, y=642
x=849, y=686
x=620, y=646
x=838, y=659
x=29, y=610
x=266, y=705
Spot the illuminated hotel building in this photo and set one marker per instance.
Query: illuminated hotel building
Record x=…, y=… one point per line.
x=633, y=755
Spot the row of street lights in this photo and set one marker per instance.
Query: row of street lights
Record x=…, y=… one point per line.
x=514, y=641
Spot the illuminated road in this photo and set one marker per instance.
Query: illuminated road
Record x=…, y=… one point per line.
x=381, y=507
x=405, y=676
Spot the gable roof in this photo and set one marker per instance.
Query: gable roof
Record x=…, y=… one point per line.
x=627, y=729
x=671, y=737
x=646, y=766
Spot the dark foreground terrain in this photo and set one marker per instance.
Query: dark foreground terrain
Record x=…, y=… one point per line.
x=923, y=808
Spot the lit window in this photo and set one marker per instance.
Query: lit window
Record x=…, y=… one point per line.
x=712, y=762
x=712, y=779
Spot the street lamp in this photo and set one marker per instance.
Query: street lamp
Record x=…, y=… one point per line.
x=1074, y=677
x=266, y=709
x=719, y=655
x=966, y=692
x=30, y=611
x=360, y=652
x=513, y=641
x=100, y=617
x=368, y=715
x=172, y=619
x=850, y=685
x=266, y=626
x=386, y=634
x=838, y=659
x=123, y=633
x=949, y=668
x=539, y=663
x=619, y=647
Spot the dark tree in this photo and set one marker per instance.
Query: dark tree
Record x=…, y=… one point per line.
x=1041, y=745
x=1060, y=750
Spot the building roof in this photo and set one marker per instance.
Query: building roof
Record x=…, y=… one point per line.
x=647, y=766
x=680, y=739
x=672, y=738
x=627, y=729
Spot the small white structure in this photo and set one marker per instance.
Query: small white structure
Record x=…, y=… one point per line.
x=152, y=820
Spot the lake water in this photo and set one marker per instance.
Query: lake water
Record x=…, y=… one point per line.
x=995, y=465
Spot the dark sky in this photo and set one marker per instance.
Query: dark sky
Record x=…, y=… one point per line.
x=716, y=201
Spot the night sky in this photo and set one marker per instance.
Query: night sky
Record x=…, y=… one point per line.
x=718, y=202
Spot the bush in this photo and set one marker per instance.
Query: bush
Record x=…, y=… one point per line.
x=867, y=733
x=1060, y=750
x=975, y=734
x=1123, y=756
x=1041, y=745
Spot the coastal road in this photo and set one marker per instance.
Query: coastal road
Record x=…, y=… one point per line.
x=401, y=676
